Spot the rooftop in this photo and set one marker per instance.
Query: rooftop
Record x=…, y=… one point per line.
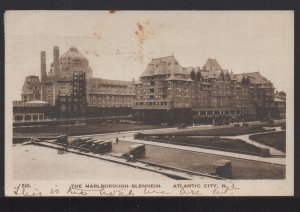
x=254, y=77
x=212, y=65
x=37, y=102
x=34, y=103
x=73, y=53
x=164, y=66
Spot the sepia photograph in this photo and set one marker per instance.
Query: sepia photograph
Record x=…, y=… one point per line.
x=149, y=103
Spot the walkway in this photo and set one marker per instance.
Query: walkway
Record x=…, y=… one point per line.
x=273, y=151
x=162, y=130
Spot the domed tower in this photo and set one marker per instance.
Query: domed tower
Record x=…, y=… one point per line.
x=72, y=62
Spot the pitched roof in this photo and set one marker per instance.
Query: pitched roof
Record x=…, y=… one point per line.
x=254, y=77
x=212, y=65
x=214, y=73
x=239, y=77
x=188, y=70
x=163, y=66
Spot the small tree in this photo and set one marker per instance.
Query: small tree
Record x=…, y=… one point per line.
x=248, y=81
x=193, y=75
x=243, y=81
x=198, y=75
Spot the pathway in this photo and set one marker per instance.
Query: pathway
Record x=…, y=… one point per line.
x=273, y=151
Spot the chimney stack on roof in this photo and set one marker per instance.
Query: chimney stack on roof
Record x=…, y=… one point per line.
x=56, y=60
x=43, y=66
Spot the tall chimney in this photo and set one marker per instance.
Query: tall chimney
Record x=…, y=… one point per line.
x=56, y=60
x=43, y=66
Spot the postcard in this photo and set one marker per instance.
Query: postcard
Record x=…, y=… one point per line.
x=149, y=103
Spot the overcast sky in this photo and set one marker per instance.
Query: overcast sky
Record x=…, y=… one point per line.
x=119, y=45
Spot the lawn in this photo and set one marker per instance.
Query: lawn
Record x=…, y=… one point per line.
x=273, y=139
x=201, y=162
x=228, y=131
x=86, y=129
x=223, y=144
x=275, y=125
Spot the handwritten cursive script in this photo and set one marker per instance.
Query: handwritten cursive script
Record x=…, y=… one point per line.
x=153, y=191
x=184, y=191
x=225, y=189
x=20, y=190
x=101, y=192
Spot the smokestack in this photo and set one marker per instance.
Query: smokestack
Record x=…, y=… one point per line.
x=56, y=60
x=43, y=66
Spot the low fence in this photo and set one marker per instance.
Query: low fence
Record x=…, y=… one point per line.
x=22, y=137
x=74, y=121
x=35, y=135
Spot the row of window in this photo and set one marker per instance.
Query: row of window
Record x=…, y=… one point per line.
x=224, y=112
x=151, y=103
x=28, y=117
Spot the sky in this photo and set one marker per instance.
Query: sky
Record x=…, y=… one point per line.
x=120, y=44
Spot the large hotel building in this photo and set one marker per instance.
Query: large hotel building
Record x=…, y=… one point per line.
x=70, y=89
x=165, y=92
x=169, y=92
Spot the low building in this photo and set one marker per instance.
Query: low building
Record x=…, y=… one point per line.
x=31, y=111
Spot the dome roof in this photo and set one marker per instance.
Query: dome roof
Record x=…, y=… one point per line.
x=73, y=53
